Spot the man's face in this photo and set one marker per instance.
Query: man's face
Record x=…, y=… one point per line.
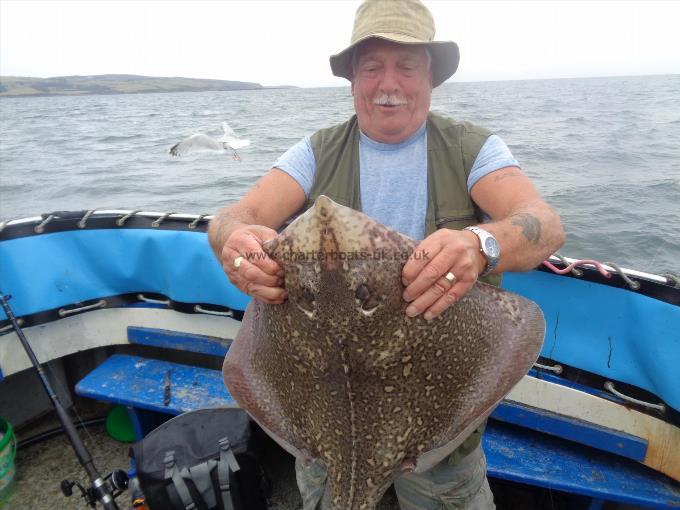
x=392, y=86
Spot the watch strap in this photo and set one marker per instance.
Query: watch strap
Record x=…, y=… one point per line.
x=483, y=235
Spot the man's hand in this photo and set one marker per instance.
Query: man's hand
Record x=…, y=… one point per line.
x=257, y=274
x=239, y=230
x=527, y=229
x=424, y=275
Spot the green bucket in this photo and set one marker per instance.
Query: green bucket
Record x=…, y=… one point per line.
x=8, y=449
x=119, y=425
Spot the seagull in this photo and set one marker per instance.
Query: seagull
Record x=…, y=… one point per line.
x=201, y=142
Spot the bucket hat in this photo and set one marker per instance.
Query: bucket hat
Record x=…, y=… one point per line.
x=403, y=22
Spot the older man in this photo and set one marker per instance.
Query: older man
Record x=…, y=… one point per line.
x=451, y=184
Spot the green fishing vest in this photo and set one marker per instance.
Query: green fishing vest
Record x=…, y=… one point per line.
x=452, y=148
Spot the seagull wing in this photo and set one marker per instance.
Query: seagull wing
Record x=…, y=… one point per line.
x=228, y=132
x=195, y=143
x=237, y=144
x=230, y=139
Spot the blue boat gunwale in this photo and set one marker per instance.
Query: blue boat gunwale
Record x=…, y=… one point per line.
x=62, y=221
x=164, y=275
x=657, y=286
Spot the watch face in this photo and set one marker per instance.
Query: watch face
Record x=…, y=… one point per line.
x=491, y=247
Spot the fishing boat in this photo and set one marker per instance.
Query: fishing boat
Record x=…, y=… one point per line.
x=136, y=294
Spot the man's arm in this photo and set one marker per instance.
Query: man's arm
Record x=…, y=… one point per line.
x=527, y=229
x=240, y=229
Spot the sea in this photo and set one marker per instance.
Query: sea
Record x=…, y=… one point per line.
x=604, y=152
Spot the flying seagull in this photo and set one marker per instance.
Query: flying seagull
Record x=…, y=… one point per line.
x=201, y=142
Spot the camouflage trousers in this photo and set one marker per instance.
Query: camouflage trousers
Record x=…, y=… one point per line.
x=447, y=486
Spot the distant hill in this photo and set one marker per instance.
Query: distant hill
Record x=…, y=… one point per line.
x=19, y=86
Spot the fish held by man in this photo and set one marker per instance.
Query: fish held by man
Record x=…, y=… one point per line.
x=340, y=373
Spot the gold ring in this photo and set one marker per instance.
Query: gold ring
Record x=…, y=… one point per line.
x=237, y=262
x=450, y=277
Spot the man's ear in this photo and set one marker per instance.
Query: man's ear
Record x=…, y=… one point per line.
x=352, y=85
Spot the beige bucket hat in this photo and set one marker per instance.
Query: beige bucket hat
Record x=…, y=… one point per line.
x=403, y=22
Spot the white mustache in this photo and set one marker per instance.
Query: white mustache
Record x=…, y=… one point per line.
x=387, y=100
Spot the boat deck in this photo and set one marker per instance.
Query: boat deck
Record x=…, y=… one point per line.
x=41, y=467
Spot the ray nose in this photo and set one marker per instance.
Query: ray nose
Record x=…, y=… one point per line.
x=324, y=207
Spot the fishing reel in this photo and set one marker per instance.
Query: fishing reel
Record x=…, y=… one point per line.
x=117, y=482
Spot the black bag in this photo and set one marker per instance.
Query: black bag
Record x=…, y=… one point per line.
x=201, y=460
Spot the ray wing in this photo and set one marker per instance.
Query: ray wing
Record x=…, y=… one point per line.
x=509, y=342
x=253, y=392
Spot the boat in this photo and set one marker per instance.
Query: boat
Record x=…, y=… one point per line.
x=136, y=294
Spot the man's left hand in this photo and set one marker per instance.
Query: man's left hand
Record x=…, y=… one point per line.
x=445, y=251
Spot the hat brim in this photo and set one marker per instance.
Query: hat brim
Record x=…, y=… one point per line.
x=445, y=56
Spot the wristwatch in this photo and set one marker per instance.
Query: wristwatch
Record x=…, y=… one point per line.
x=489, y=248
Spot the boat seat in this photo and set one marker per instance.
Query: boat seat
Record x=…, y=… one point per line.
x=520, y=455
x=140, y=382
x=144, y=395
x=513, y=453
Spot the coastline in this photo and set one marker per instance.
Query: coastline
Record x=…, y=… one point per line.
x=115, y=84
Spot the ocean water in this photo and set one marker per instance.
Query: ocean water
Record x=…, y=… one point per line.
x=604, y=152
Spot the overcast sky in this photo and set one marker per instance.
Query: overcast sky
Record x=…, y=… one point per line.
x=289, y=42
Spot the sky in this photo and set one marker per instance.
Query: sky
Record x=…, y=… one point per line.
x=288, y=42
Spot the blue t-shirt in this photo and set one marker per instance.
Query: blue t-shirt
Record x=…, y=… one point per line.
x=393, y=177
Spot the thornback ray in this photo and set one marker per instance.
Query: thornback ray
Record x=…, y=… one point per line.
x=339, y=372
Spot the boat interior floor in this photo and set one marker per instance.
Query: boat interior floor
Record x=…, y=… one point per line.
x=43, y=464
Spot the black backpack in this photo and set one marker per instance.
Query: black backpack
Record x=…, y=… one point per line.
x=202, y=458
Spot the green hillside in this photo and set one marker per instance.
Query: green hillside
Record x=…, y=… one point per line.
x=18, y=86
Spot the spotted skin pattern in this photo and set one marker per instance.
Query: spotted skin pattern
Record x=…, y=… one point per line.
x=339, y=372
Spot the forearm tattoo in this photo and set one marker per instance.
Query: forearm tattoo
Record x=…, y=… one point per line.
x=531, y=227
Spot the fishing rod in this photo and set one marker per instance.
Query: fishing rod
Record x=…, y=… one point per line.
x=101, y=490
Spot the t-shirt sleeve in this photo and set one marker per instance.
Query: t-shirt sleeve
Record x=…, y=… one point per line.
x=493, y=156
x=299, y=163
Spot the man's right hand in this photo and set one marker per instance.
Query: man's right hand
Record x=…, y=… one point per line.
x=257, y=275
x=240, y=229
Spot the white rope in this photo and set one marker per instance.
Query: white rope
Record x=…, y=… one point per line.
x=64, y=312
x=142, y=297
x=83, y=221
x=556, y=368
x=610, y=387
x=200, y=309
x=41, y=228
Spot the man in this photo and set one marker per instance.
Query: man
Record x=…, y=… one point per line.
x=422, y=174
